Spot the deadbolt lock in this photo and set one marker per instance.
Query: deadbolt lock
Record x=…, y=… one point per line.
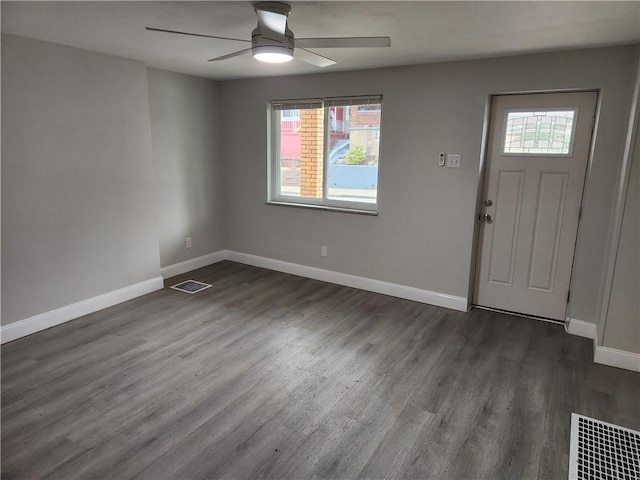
x=488, y=203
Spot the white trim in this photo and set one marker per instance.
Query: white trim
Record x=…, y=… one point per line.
x=369, y=284
x=480, y=190
x=615, y=227
x=581, y=328
x=323, y=207
x=22, y=328
x=604, y=355
x=55, y=317
x=193, y=264
x=617, y=358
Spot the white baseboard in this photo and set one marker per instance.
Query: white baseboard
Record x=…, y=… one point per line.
x=55, y=317
x=46, y=320
x=193, y=264
x=22, y=328
x=581, y=328
x=617, y=358
x=371, y=285
x=604, y=355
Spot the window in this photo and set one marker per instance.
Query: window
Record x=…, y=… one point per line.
x=539, y=133
x=290, y=120
x=325, y=152
x=367, y=108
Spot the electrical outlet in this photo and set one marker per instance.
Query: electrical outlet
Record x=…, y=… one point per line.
x=324, y=251
x=453, y=160
x=188, y=242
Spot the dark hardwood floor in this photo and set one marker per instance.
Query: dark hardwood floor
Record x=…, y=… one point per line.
x=268, y=375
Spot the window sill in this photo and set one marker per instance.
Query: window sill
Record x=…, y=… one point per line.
x=324, y=207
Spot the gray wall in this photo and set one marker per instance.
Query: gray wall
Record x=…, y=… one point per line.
x=423, y=236
x=622, y=329
x=78, y=216
x=185, y=126
x=81, y=188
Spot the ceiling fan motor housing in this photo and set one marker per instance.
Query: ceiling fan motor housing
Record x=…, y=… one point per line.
x=272, y=44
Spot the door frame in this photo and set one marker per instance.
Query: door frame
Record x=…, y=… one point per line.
x=482, y=171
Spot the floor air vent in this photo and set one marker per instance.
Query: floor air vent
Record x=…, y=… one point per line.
x=191, y=286
x=602, y=451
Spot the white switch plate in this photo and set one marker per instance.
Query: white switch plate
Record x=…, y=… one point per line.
x=453, y=160
x=324, y=251
x=188, y=242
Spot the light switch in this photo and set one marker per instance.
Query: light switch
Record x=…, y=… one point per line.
x=453, y=160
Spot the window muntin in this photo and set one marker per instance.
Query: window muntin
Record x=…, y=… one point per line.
x=546, y=132
x=331, y=158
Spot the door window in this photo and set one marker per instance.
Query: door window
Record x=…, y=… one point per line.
x=539, y=132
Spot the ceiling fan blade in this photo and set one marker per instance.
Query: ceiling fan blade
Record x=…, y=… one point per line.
x=344, y=42
x=272, y=22
x=195, y=34
x=312, y=58
x=230, y=55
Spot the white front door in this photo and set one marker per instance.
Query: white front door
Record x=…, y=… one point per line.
x=536, y=163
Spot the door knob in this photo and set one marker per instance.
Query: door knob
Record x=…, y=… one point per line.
x=486, y=218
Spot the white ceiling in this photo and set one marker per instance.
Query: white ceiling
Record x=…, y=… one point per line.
x=420, y=31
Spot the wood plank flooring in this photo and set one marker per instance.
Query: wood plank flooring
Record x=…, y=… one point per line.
x=268, y=375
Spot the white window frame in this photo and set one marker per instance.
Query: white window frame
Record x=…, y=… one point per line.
x=273, y=147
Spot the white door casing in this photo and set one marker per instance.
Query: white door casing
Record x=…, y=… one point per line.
x=525, y=251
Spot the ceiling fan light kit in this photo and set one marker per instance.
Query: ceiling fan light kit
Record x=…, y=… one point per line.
x=268, y=44
x=270, y=55
x=273, y=42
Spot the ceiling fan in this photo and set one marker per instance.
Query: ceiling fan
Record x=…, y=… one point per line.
x=273, y=42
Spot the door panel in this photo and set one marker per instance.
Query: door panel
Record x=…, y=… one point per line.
x=546, y=233
x=536, y=163
x=503, y=250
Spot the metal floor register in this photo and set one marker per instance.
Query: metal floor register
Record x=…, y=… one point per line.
x=602, y=451
x=191, y=286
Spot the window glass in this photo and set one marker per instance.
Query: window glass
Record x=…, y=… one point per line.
x=301, y=152
x=326, y=152
x=542, y=133
x=354, y=145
